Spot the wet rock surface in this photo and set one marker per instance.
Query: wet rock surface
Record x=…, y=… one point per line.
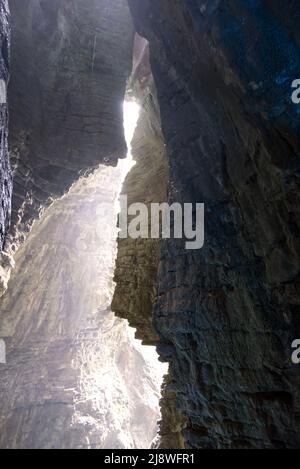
x=136, y=269
x=70, y=63
x=138, y=259
x=5, y=172
x=75, y=376
x=226, y=315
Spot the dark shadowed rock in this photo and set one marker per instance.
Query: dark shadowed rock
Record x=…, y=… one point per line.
x=138, y=259
x=226, y=315
x=5, y=173
x=75, y=377
x=217, y=126
x=70, y=63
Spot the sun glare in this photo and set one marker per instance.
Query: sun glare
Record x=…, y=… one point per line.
x=131, y=114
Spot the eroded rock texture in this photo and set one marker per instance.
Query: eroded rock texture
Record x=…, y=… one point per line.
x=75, y=377
x=5, y=173
x=136, y=270
x=227, y=314
x=70, y=63
x=224, y=316
x=138, y=259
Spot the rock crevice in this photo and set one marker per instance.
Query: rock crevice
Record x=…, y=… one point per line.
x=5, y=171
x=227, y=314
x=217, y=126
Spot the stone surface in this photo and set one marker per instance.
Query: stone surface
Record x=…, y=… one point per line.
x=75, y=376
x=70, y=63
x=5, y=172
x=138, y=260
x=136, y=269
x=226, y=315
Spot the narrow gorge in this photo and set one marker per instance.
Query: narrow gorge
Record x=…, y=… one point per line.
x=139, y=342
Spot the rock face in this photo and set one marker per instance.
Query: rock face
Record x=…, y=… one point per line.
x=137, y=265
x=138, y=259
x=226, y=315
x=70, y=63
x=5, y=173
x=218, y=126
x=75, y=376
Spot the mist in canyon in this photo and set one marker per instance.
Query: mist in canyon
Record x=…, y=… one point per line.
x=74, y=369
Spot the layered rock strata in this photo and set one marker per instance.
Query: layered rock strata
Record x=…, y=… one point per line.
x=75, y=376
x=136, y=269
x=226, y=315
x=70, y=63
x=5, y=172
x=138, y=259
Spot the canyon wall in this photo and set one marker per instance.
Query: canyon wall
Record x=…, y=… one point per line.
x=136, y=269
x=138, y=259
x=70, y=63
x=5, y=172
x=75, y=377
x=218, y=126
x=226, y=315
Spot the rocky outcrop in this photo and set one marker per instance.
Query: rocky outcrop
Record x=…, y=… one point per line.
x=218, y=126
x=70, y=63
x=137, y=264
x=75, y=377
x=227, y=314
x=138, y=259
x=5, y=173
